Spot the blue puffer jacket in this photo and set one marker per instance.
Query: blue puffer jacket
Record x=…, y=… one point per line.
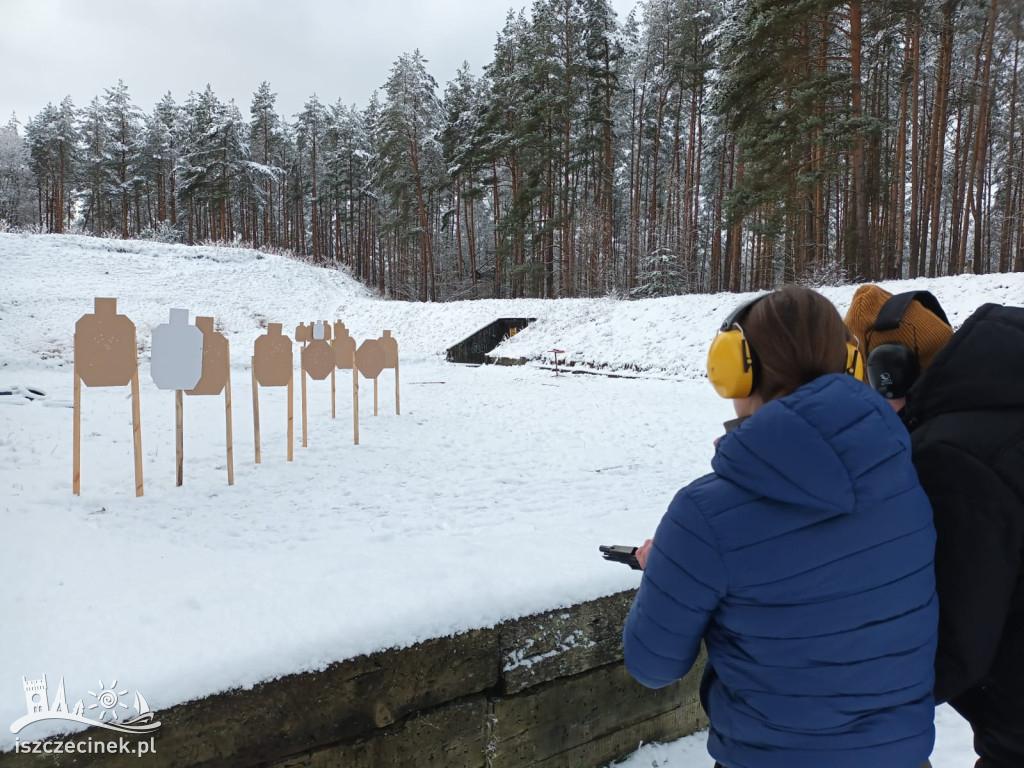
x=805, y=564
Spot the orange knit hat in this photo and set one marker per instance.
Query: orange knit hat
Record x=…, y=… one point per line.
x=919, y=328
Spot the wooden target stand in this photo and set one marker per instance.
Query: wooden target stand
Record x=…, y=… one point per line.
x=316, y=360
x=345, y=360
x=176, y=363
x=372, y=357
x=390, y=347
x=216, y=378
x=272, y=366
x=106, y=355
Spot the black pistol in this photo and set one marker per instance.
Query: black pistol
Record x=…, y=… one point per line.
x=620, y=554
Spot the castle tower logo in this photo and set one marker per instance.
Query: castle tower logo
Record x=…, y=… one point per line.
x=107, y=707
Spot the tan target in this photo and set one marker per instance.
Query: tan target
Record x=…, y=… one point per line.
x=390, y=346
x=105, y=352
x=318, y=359
x=370, y=358
x=216, y=360
x=216, y=378
x=272, y=366
x=106, y=355
x=345, y=359
x=344, y=347
x=273, y=363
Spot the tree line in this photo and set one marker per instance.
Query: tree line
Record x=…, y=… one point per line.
x=697, y=145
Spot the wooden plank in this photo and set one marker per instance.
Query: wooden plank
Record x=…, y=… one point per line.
x=137, y=431
x=76, y=460
x=179, y=437
x=553, y=644
x=255, y=410
x=302, y=712
x=305, y=442
x=453, y=736
x=672, y=725
x=546, y=721
x=355, y=401
x=291, y=414
x=227, y=425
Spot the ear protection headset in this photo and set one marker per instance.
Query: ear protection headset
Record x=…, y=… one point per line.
x=892, y=368
x=733, y=365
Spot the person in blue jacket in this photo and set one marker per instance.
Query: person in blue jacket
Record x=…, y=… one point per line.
x=804, y=561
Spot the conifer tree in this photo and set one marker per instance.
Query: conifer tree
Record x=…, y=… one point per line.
x=16, y=178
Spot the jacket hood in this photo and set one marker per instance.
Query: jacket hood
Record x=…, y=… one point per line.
x=981, y=368
x=824, y=447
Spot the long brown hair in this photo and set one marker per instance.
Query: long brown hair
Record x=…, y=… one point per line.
x=797, y=335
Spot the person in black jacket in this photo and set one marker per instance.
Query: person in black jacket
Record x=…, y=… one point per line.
x=965, y=413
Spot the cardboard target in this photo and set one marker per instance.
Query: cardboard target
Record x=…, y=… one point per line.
x=105, y=352
x=318, y=359
x=216, y=360
x=216, y=378
x=272, y=358
x=272, y=366
x=344, y=347
x=303, y=333
x=370, y=358
x=106, y=355
x=321, y=331
x=345, y=358
x=176, y=359
x=390, y=346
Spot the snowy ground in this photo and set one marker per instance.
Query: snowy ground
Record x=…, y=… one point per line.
x=485, y=500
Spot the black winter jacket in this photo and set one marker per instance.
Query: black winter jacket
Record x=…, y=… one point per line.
x=966, y=417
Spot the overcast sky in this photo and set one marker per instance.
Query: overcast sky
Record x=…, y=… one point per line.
x=338, y=49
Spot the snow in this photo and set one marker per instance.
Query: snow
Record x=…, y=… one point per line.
x=953, y=747
x=485, y=500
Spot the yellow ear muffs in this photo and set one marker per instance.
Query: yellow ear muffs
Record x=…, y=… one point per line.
x=855, y=362
x=731, y=364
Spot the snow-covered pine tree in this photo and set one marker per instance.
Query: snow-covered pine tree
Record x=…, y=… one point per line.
x=16, y=179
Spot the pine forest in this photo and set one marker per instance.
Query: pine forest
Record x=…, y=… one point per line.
x=694, y=146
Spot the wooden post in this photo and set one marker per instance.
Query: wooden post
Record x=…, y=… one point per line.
x=333, y=399
x=398, y=409
x=355, y=402
x=179, y=436
x=557, y=353
x=76, y=475
x=256, y=410
x=137, y=430
x=375, y=395
x=227, y=423
x=291, y=412
x=304, y=441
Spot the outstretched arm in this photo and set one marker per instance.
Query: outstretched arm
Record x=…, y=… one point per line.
x=682, y=585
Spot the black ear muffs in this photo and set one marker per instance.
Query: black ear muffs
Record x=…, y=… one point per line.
x=892, y=370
